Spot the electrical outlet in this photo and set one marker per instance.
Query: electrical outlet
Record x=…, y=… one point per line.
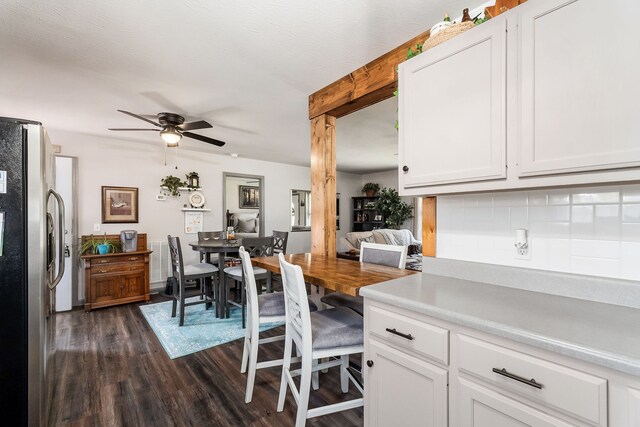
x=524, y=253
x=96, y=227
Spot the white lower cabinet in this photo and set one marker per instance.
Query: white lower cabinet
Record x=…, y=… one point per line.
x=422, y=371
x=479, y=406
x=407, y=391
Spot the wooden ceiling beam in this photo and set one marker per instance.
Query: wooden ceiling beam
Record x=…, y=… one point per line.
x=368, y=85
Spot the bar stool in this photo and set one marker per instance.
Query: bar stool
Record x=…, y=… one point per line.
x=373, y=253
x=261, y=309
x=333, y=333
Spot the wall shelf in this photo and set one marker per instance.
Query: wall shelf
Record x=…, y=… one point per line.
x=195, y=210
x=184, y=188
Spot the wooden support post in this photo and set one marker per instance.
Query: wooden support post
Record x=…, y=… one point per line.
x=323, y=185
x=429, y=226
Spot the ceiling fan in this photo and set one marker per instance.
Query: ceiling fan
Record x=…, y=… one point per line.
x=172, y=128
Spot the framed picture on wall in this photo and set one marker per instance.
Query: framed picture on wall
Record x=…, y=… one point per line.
x=249, y=197
x=119, y=204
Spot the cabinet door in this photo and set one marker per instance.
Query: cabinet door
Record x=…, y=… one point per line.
x=104, y=288
x=579, y=90
x=402, y=390
x=452, y=110
x=132, y=284
x=478, y=406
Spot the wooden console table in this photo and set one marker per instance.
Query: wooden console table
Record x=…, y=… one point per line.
x=117, y=278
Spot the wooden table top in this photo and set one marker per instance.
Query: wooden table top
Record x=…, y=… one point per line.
x=336, y=274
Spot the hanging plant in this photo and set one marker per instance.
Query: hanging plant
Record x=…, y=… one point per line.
x=393, y=209
x=171, y=184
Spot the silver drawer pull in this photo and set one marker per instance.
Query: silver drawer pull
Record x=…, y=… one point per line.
x=507, y=374
x=400, y=334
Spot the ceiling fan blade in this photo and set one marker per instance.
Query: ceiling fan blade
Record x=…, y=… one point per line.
x=200, y=124
x=153, y=130
x=203, y=138
x=137, y=116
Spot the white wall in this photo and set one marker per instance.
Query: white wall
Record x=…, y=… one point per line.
x=583, y=230
x=115, y=162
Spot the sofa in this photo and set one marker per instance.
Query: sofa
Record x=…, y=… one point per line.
x=353, y=240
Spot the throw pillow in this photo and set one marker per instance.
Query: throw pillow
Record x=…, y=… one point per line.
x=246, y=226
x=368, y=239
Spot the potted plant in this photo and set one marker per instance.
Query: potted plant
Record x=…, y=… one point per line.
x=102, y=245
x=370, y=189
x=193, y=180
x=392, y=208
x=171, y=184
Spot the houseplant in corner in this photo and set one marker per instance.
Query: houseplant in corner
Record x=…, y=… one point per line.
x=370, y=189
x=393, y=209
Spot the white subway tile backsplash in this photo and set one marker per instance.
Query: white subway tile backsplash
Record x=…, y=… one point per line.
x=631, y=213
x=595, y=196
x=559, y=197
x=631, y=193
x=581, y=230
x=595, y=249
x=630, y=260
x=630, y=232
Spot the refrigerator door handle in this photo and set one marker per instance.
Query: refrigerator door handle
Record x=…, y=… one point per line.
x=61, y=229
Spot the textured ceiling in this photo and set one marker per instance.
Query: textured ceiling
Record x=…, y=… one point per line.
x=247, y=67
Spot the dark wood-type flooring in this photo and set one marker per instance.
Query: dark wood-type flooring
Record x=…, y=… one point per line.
x=111, y=370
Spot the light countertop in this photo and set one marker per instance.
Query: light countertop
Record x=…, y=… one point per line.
x=596, y=332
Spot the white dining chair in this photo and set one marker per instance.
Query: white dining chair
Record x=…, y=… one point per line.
x=331, y=334
x=373, y=253
x=261, y=309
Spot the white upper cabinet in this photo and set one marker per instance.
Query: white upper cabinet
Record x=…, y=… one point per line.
x=579, y=87
x=552, y=101
x=452, y=110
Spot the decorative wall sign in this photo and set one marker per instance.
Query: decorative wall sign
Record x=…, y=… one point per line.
x=249, y=197
x=119, y=204
x=193, y=222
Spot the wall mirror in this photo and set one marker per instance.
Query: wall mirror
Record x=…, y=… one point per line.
x=300, y=210
x=243, y=203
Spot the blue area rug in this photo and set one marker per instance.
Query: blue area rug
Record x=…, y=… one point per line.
x=201, y=329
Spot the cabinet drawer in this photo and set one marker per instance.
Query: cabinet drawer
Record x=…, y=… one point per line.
x=574, y=392
x=117, y=260
x=115, y=268
x=430, y=340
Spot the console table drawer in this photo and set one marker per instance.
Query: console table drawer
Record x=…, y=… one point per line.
x=117, y=259
x=409, y=332
x=574, y=392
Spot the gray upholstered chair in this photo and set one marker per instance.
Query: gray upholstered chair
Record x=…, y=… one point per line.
x=187, y=273
x=332, y=334
x=374, y=253
x=261, y=309
x=255, y=246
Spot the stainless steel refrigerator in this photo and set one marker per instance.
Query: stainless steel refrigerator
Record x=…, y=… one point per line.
x=31, y=264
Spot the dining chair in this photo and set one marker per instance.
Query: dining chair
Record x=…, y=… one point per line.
x=280, y=239
x=255, y=246
x=373, y=253
x=186, y=273
x=332, y=334
x=261, y=309
x=208, y=235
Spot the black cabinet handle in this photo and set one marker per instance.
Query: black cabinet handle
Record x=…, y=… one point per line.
x=405, y=168
x=369, y=363
x=507, y=374
x=400, y=334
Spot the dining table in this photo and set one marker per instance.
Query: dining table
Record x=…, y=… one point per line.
x=334, y=274
x=222, y=247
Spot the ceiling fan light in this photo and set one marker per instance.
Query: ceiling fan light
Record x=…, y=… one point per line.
x=171, y=136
